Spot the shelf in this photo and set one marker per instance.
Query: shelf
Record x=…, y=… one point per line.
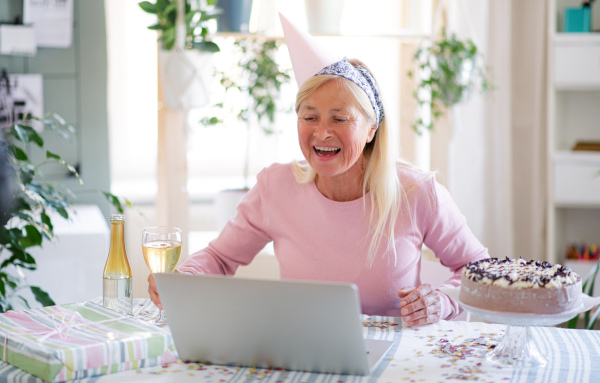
x=577, y=87
x=573, y=96
x=577, y=61
x=567, y=157
x=576, y=38
x=577, y=179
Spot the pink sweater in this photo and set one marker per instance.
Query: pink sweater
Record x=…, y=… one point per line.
x=320, y=239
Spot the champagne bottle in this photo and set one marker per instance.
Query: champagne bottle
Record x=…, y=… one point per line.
x=117, y=292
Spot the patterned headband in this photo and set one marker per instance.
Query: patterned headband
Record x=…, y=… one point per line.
x=361, y=77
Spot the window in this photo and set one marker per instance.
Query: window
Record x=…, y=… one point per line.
x=216, y=154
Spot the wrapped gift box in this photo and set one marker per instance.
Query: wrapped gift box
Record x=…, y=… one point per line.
x=60, y=343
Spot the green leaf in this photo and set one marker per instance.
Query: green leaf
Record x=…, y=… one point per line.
x=22, y=215
x=156, y=27
x=36, y=138
x=14, y=259
x=114, y=200
x=11, y=283
x=206, y=46
x=189, y=16
x=70, y=168
x=27, y=134
x=209, y=16
x=62, y=211
x=573, y=322
x=24, y=301
x=51, y=155
x=20, y=133
x=592, y=321
x=147, y=7
x=168, y=38
x=47, y=222
x=33, y=237
x=171, y=8
x=42, y=296
x=19, y=154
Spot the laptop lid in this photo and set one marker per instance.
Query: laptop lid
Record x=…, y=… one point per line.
x=290, y=324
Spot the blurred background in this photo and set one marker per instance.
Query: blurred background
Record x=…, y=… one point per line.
x=178, y=133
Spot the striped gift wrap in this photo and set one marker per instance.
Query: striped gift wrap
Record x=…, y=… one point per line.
x=73, y=341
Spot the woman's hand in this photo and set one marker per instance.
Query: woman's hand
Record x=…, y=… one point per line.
x=153, y=292
x=420, y=305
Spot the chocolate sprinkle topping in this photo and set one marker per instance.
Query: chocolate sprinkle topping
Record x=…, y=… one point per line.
x=480, y=270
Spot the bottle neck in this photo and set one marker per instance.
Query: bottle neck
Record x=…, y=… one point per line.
x=117, y=236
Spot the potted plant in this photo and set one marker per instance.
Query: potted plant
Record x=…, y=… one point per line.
x=28, y=223
x=591, y=316
x=449, y=69
x=324, y=16
x=258, y=78
x=235, y=16
x=185, y=61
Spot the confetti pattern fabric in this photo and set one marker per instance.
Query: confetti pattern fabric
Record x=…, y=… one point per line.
x=443, y=352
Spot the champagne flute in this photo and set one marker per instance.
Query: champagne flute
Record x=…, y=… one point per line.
x=161, y=247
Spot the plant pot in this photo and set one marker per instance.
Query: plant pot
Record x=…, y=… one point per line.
x=235, y=16
x=186, y=77
x=226, y=202
x=459, y=85
x=324, y=16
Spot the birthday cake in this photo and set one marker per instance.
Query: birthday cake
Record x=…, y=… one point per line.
x=519, y=286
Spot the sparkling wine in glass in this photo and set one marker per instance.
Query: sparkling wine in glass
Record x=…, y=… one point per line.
x=161, y=247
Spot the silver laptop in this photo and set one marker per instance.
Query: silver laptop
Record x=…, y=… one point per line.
x=289, y=324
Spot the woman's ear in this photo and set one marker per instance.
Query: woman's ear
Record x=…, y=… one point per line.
x=371, y=134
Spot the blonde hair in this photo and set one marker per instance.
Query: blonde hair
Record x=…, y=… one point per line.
x=381, y=176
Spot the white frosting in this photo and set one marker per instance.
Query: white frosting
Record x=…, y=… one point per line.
x=518, y=273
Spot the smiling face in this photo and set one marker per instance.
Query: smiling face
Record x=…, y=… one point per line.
x=333, y=132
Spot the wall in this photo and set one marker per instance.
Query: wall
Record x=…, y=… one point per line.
x=75, y=81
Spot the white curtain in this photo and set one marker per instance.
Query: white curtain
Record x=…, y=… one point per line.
x=529, y=36
x=497, y=160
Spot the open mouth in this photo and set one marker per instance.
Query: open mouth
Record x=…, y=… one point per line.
x=326, y=151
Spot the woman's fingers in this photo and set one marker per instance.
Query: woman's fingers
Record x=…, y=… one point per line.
x=411, y=297
x=153, y=292
x=422, y=317
x=420, y=305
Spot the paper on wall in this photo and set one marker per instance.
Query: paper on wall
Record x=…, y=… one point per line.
x=52, y=20
x=17, y=40
x=28, y=97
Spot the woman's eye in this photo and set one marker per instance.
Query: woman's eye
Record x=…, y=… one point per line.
x=309, y=119
x=340, y=120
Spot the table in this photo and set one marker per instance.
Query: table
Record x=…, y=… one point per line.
x=443, y=352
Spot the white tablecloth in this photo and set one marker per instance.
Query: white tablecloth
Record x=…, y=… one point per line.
x=443, y=352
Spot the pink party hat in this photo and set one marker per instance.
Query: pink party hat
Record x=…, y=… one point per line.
x=308, y=55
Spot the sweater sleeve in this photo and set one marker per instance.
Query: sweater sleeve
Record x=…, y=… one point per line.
x=452, y=242
x=239, y=241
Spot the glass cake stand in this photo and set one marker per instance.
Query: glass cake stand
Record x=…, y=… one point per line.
x=517, y=348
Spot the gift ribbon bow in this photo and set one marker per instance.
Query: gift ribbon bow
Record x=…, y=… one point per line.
x=62, y=326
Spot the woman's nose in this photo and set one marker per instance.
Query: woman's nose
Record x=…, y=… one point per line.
x=322, y=130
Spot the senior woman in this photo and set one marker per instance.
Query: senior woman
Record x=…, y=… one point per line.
x=350, y=212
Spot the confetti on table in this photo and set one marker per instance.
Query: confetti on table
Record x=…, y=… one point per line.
x=150, y=317
x=382, y=324
x=470, y=352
